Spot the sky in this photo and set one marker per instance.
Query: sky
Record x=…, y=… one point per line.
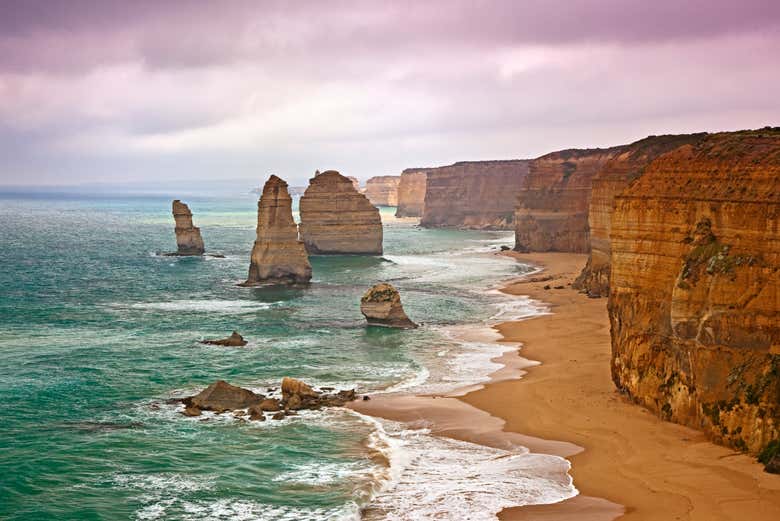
x=214, y=94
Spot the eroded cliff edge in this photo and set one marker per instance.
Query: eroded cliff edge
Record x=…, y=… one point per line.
x=383, y=190
x=337, y=219
x=695, y=287
x=610, y=180
x=552, y=206
x=473, y=194
x=411, y=192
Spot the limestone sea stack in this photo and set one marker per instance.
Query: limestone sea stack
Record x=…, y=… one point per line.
x=694, y=300
x=614, y=177
x=383, y=190
x=188, y=239
x=473, y=194
x=381, y=305
x=411, y=193
x=552, y=207
x=337, y=219
x=278, y=257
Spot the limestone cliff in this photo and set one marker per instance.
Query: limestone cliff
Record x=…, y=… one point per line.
x=473, y=194
x=188, y=239
x=278, y=257
x=383, y=190
x=411, y=193
x=337, y=219
x=694, y=298
x=614, y=177
x=552, y=206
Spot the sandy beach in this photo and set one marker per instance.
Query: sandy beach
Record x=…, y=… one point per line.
x=626, y=462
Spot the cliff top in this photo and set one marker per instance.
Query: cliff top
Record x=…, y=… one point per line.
x=576, y=153
x=382, y=178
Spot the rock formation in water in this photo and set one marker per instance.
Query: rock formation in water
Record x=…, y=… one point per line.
x=614, y=177
x=278, y=257
x=383, y=190
x=355, y=182
x=552, y=206
x=694, y=298
x=337, y=219
x=411, y=193
x=188, y=239
x=473, y=194
x=381, y=305
x=234, y=340
x=221, y=397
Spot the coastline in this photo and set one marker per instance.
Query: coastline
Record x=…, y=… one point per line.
x=626, y=463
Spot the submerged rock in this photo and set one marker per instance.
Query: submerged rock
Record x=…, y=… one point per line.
x=188, y=239
x=278, y=257
x=381, y=305
x=234, y=340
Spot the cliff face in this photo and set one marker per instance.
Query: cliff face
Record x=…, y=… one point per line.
x=695, y=287
x=473, y=194
x=188, y=239
x=411, y=193
x=278, y=257
x=552, y=207
x=383, y=190
x=614, y=177
x=336, y=219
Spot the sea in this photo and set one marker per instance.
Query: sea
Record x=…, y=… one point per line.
x=98, y=331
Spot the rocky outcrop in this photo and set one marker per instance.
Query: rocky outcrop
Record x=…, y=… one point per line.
x=411, y=193
x=337, y=219
x=188, y=239
x=694, y=298
x=612, y=179
x=381, y=305
x=221, y=397
x=355, y=183
x=473, y=194
x=278, y=257
x=234, y=340
x=552, y=206
x=383, y=190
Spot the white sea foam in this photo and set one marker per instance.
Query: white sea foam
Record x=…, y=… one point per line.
x=206, y=306
x=439, y=478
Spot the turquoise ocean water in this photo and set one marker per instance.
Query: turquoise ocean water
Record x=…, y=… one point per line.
x=97, y=330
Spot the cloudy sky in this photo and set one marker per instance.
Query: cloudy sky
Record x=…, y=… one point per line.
x=145, y=93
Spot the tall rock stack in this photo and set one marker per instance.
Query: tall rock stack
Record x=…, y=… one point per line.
x=188, y=239
x=552, y=207
x=614, y=177
x=337, y=219
x=473, y=194
x=383, y=190
x=694, y=298
x=411, y=192
x=278, y=257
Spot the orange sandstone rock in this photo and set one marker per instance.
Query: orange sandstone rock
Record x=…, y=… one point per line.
x=188, y=239
x=411, y=193
x=694, y=298
x=552, y=206
x=337, y=219
x=381, y=305
x=278, y=257
x=383, y=190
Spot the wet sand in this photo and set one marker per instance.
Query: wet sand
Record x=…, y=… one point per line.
x=626, y=462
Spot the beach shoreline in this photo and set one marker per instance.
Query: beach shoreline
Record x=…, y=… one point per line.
x=626, y=462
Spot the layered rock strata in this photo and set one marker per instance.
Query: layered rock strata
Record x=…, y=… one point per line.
x=552, y=206
x=694, y=298
x=278, y=257
x=614, y=177
x=188, y=239
x=383, y=190
x=381, y=305
x=411, y=193
x=337, y=219
x=473, y=194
